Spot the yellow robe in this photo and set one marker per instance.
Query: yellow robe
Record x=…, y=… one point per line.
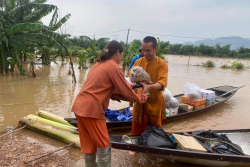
x=154, y=110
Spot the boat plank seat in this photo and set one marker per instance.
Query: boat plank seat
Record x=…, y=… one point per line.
x=225, y=88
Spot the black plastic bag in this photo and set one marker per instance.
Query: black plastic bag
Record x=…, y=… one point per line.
x=224, y=148
x=156, y=137
x=205, y=133
x=221, y=148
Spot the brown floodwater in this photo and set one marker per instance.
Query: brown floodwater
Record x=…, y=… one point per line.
x=53, y=91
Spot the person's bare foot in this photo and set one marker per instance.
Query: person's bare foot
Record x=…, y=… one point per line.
x=132, y=152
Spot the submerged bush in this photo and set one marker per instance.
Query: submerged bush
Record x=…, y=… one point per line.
x=237, y=65
x=209, y=63
x=225, y=66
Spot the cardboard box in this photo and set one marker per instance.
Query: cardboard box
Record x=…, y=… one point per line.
x=186, y=107
x=208, y=94
x=183, y=106
x=210, y=102
x=200, y=106
x=193, y=102
x=190, y=108
x=187, y=143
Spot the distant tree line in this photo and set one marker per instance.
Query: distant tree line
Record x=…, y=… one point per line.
x=180, y=49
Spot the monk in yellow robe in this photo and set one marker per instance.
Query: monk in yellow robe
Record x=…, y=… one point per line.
x=154, y=110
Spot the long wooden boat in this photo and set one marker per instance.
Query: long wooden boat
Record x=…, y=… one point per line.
x=240, y=137
x=229, y=91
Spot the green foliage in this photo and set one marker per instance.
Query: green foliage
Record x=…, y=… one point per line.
x=22, y=31
x=237, y=65
x=137, y=41
x=129, y=53
x=160, y=51
x=209, y=63
x=82, y=54
x=225, y=66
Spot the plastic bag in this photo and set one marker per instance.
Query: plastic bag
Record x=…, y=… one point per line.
x=173, y=103
x=167, y=95
x=173, y=111
x=224, y=148
x=192, y=91
x=115, y=115
x=156, y=137
x=137, y=75
x=221, y=148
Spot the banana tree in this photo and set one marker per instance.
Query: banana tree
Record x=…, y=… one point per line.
x=160, y=51
x=129, y=53
x=82, y=54
x=21, y=30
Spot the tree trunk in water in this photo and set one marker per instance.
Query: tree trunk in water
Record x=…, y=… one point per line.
x=12, y=66
x=43, y=58
x=25, y=57
x=32, y=69
x=73, y=72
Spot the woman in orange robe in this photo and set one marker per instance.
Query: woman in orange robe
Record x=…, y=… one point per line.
x=93, y=100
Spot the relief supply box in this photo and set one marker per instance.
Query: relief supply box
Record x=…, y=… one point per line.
x=208, y=94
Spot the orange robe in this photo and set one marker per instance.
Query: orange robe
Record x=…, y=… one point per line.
x=93, y=99
x=154, y=110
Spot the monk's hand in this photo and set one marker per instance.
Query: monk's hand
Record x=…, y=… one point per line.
x=146, y=88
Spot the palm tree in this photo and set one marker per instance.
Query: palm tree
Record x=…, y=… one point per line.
x=21, y=30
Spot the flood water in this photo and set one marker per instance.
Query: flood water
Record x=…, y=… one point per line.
x=53, y=91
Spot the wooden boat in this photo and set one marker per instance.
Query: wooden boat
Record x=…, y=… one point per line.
x=222, y=93
x=240, y=137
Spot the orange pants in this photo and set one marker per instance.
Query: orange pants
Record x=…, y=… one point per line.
x=93, y=133
x=138, y=129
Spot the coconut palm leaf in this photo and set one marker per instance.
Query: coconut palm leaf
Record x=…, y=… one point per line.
x=61, y=22
x=23, y=27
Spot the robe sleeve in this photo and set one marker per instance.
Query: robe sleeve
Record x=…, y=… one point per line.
x=124, y=88
x=163, y=75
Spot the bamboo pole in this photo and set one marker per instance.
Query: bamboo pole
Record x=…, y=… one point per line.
x=13, y=131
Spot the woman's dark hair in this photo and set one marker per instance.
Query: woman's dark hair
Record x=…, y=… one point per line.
x=110, y=49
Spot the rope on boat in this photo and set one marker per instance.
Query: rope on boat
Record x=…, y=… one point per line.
x=13, y=131
x=126, y=137
x=220, y=142
x=26, y=162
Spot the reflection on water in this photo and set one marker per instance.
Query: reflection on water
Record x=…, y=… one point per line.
x=53, y=90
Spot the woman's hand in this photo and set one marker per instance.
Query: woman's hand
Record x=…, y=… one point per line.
x=146, y=88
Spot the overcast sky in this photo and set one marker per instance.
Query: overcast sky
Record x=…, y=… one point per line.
x=184, y=18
